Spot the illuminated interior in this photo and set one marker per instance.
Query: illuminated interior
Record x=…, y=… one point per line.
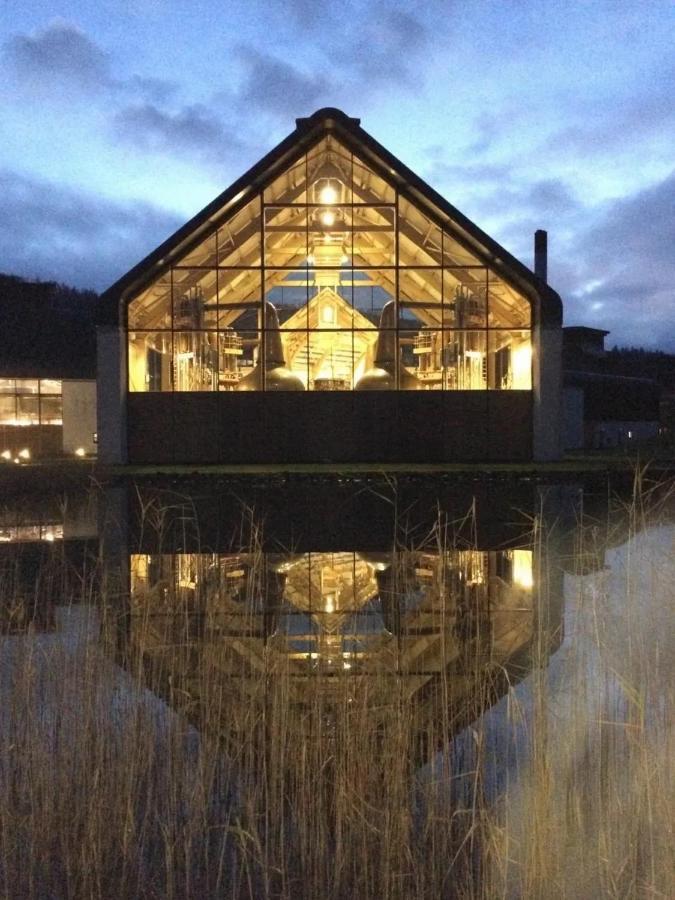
x=30, y=401
x=329, y=279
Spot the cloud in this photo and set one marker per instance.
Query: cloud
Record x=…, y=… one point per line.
x=61, y=56
x=387, y=48
x=626, y=269
x=381, y=42
x=275, y=86
x=193, y=131
x=52, y=232
x=622, y=121
x=60, y=53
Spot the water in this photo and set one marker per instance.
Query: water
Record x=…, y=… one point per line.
x=336, y=687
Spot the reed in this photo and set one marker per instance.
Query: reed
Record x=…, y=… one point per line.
x=127, y=773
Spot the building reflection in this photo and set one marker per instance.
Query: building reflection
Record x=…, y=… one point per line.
x=443, y=623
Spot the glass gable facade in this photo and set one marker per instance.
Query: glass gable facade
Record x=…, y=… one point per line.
x=329, y=279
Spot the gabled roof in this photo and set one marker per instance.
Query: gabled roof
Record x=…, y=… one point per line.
x=301, y=316
x=547, y=307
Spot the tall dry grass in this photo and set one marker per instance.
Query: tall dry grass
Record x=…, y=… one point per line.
x=227, y=788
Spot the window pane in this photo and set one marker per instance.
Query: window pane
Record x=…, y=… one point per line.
x=331, y=360
x=27, y=385
x=374, y=236
x=420, y=239
x=286, y=230
x=50, y=386
x=7, y=409
x=288, y=292
x=150, y=361
x=204, y=255
x=371, y=289
x=232, y=356
x=51, y=410
x=507, y=308
x=27, y=410
x=422, y=359
x=239, y=238
x=455, y=254
x=464, y=306
x=329, y=165
x=239, y=298
x=420, y=298
x=7, y=385
x=195, y=361
x=195, y=298
x=368, y=186
x=510, y=361
x=152, y=308
x=295, y=346
x=290, y=186
x=464, y=360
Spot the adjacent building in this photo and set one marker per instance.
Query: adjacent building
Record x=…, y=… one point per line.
x=329, y=306
x=602, y=409
x=47, y=374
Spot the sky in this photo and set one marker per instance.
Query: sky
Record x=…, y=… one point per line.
x=121, y=119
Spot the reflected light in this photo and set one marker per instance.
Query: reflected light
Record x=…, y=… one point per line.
x=522, y=568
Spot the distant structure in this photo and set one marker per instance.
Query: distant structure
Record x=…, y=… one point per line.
x=330, y=306
x=602, y=409
x=47, y=372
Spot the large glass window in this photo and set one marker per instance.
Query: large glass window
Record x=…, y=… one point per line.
x=329, y=279
x=30, y=401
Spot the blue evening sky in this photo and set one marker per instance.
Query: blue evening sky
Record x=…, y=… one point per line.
x=121, y=118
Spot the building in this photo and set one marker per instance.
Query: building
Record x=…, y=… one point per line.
x=329, y=306
x=603, y=410
x=47, y=373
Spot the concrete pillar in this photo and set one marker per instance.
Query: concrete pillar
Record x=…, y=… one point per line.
x=547, y=409
x=79, y=416
x=112, y=395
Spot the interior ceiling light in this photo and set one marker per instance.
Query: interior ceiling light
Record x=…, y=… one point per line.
x=327, y=218
x=328, y=194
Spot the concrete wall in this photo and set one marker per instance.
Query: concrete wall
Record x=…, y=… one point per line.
x=79, y=417
x=547, y=385
x=111, y=396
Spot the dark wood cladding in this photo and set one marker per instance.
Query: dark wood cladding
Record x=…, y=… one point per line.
x=43, y=441
x=416, y=427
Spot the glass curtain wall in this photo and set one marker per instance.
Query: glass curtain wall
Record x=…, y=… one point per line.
x=329, y=279
x=30, y=401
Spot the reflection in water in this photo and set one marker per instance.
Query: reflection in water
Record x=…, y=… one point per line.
x=342, y=691
x=316, y=616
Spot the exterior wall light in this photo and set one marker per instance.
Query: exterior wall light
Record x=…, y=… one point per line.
x=24, y=454
x=6, y=455
x=80, y=451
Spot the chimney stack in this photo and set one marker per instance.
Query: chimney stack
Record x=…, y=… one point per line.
x=541, y=254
